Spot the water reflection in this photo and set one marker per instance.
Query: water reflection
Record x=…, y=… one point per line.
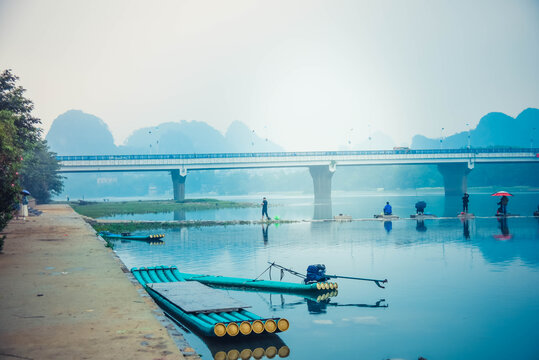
x=505, y=235
x=128, y=241
x=420, y=226
x=208, y=241
x=245, y=347
x=179, y=215
x=320, y=307
x=465, y=228
x=318, y=304
x=265, y=233
x=323, y=211
x=388, y=225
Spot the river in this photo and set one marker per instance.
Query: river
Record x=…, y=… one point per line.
x=456, y=289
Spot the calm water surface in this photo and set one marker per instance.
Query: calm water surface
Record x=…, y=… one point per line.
x=358, y=205
x=456, y=289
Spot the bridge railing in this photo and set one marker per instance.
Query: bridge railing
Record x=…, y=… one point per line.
x=473, y=151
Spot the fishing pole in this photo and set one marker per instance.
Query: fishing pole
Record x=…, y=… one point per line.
x=286, y=269
x=376, y=281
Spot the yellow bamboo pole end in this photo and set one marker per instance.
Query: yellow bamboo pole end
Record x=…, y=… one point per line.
x=219, y=329
x=283, y=324
x=270, y=326
x=257, y=326
x=245, y=328
x=232, y=329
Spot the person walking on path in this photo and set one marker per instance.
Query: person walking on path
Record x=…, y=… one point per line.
x=465, y=201
x=24, y=207
x=387, y=209
x=265, y=209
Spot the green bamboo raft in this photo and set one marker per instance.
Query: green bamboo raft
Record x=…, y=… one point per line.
x=264, y=285
x=221, y=322
x=129, y=236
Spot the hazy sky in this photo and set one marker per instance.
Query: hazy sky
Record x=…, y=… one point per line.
x=303, y=73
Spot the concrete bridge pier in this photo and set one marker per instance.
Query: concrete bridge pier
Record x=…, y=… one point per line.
x=178, y=183
x=455, y=177
x=322, y=175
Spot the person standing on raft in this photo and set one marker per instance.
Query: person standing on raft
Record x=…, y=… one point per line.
x=265, y=209
x=465, y=201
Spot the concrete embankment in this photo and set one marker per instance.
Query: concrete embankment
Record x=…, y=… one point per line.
x=64, y=295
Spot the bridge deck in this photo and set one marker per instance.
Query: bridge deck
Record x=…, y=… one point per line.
x=184, y=162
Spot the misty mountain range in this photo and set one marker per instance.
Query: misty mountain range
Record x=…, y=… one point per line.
x=78, y=133
x=494, y=129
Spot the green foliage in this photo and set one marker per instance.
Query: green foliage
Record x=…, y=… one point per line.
x=39, y=173
x=12, y=99
x=20, y=135
x=10, y=160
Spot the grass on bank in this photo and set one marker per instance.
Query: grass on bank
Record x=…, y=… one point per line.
x=102, y=209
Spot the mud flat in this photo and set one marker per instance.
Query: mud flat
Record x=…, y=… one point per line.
x=64, y=295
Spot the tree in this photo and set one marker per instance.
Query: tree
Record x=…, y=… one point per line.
x=10, y=161
x=12, y=99
x=20, y=135
x=39, y=173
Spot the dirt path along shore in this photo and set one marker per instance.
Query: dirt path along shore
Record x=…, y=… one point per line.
x=64, y=296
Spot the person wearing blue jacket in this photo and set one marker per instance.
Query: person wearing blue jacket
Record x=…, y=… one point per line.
x=387, y=209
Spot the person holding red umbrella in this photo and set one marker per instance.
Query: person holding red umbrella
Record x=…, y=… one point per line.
x=503, y=202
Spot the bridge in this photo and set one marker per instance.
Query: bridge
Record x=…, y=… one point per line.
x=453, y=164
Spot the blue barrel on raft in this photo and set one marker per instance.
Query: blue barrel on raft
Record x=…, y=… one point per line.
x=233, y=321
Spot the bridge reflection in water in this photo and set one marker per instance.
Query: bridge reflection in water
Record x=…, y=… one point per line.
x=323, y=211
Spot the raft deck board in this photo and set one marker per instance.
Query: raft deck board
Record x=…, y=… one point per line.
x=194, y=297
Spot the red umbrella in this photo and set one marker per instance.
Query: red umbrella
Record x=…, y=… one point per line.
x=501, y=193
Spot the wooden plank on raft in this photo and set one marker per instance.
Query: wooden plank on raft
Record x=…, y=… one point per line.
x=194, y=297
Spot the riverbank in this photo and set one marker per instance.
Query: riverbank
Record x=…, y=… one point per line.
x=118, y=226
x=106, y=208
x=66, y=296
